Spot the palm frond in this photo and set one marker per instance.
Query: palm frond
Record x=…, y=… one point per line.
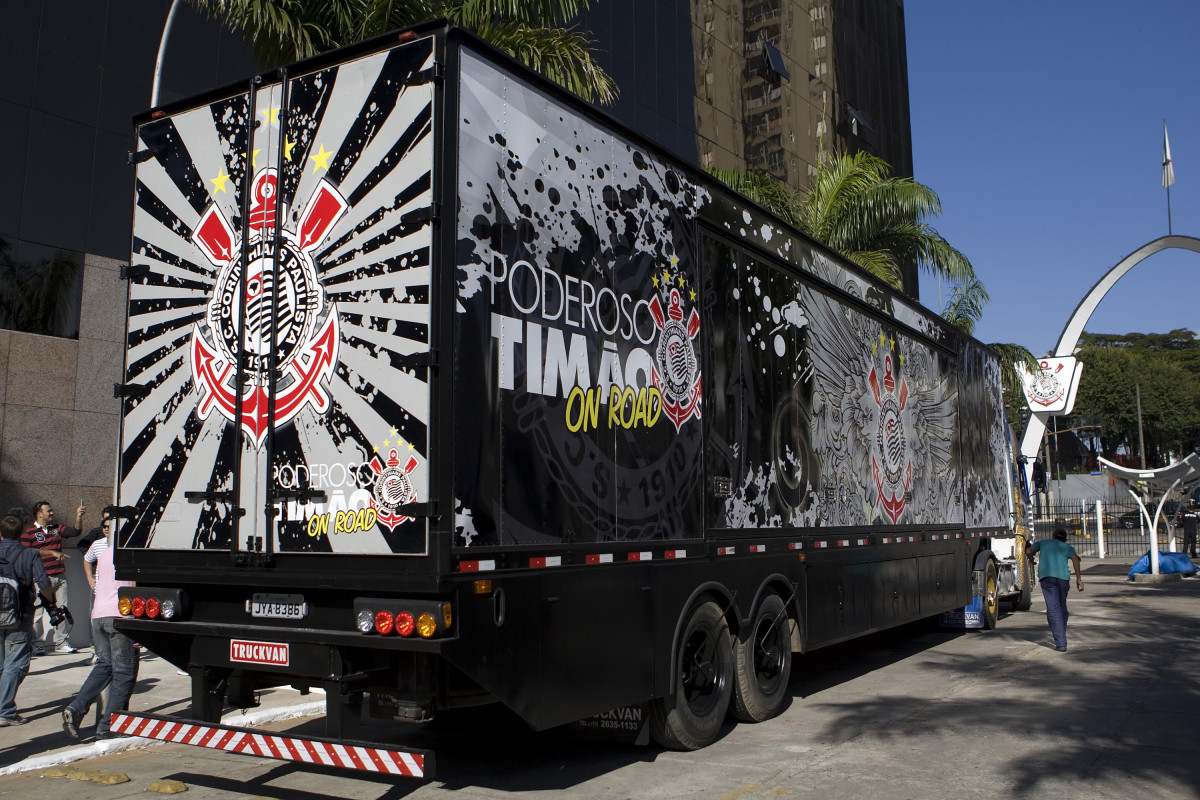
x=1010, y=356
x=762, y=189
x=561, y=54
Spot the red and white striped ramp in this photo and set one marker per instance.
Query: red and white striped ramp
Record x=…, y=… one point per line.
x=247, y=741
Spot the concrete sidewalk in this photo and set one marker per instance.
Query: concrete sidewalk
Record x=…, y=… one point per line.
x=54, y=679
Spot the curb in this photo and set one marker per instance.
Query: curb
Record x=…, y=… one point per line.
x=110, y=746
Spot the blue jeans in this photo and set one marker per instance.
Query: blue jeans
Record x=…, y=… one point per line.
x=16, y=646
x=1055, y=591
x=116, y=661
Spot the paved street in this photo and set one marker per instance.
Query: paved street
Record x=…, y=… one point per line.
x=912, y=713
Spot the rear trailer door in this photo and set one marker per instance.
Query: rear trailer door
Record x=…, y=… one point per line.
x=284, y=227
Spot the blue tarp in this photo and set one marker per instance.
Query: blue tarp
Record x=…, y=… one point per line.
x=1168, y=562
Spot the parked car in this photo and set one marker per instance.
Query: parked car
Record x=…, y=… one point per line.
x=1134, y=519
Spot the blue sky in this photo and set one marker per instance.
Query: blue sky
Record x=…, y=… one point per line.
x=1040, y=126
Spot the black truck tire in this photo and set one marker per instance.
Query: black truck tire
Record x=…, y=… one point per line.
x=763, y=663
x=1025, y=598
x=690, y=717
x=991, y=597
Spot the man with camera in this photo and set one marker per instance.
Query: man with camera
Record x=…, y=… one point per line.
x=47, y=536
x=20, y=571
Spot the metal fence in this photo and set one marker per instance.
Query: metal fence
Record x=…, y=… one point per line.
x=1125, y=534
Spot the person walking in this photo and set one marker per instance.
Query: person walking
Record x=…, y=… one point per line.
x=20, y=571
x=47, y=536
x=116, y=654
x=1055, y=579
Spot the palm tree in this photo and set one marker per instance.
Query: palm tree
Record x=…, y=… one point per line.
x=528, y=30
x=857, y=207
x=38, y=298
x=963, y=311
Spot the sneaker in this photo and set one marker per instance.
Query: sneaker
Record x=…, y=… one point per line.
x=1060, y=648
x=70, y=723
x=16, y=719
x=65, y=649
x=39, y=651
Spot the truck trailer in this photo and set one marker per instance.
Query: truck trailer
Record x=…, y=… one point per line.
x=442, y=388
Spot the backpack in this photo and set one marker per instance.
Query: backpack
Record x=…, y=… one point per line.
x=10, y=596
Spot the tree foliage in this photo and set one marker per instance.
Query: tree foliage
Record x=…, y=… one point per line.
x=1166, y=369
x=532, y=31
x=38, y=298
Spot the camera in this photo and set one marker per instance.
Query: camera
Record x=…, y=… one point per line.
x=57, y=613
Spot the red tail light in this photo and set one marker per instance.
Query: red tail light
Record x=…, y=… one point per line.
x=384, y=622
x=138, y=607
x=404, y=623
x=152, y=607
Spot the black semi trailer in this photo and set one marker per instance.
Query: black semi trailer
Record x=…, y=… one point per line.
x=441, y=388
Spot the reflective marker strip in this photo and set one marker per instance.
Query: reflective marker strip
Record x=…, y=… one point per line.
x=862, y=542
x=675, y=554
x=758, y=548
x=598, y=558
x=726, y=551
x=795, y=545
x=644, y=555
x=820, y=545
x=546, y=561
x=843, y=542
x=476, y=566
x=281, y=748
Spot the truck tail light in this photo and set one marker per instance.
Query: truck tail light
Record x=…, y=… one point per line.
x=428, y=619
x=143, y=602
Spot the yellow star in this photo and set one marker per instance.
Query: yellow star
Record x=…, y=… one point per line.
x=893, y=343
x=654, y=280
x=882, y=338
x=270, y=115
x=693, y=294
x=902, y=359
x=321, y=160
x=386, y=443
x=666, y=276
x=287, y=149
x=253, y=158
x=680, y=281
x=375, y=449
x=395, y=432
x=219, y=182
x=674, y=260
x=410, y=446
x=874, y=348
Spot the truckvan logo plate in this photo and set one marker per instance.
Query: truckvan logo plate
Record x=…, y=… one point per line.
x=273, y=654
x=305, y=329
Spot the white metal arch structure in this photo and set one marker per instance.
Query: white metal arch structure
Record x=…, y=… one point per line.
x=1036, y=428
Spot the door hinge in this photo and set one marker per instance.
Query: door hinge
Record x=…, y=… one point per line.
x=431, y=75
x=135, y=271
x=135, y=391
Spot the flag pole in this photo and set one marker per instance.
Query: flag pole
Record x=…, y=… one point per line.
x=1168, y=176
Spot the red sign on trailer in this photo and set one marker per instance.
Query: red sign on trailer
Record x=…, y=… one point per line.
x=272, y=653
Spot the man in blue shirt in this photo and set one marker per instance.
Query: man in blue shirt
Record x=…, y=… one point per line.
x=1055, y=578
x=16, y=642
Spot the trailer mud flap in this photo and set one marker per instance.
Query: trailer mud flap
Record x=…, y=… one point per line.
x=315, y=750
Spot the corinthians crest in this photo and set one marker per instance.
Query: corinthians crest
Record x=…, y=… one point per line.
x=676, y=371
x=306, y=330
x=392, y=488
x=891, y=464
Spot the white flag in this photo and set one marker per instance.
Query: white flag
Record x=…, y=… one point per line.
x=1168, y=167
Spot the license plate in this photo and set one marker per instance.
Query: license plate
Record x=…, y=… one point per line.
x=277, y=606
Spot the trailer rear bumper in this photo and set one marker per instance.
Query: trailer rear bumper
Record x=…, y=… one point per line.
x=315, y=750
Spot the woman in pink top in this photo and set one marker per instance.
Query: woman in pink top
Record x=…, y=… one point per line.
x=116, y=655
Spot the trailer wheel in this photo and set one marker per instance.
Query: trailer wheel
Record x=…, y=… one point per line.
x=1025, y=599
x=991, y=597
x=763, y=663
x=690, y=717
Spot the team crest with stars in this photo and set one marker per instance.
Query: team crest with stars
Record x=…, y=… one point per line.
x=393, y=488
x=306, y=333
x=891, y=461
x=676, y=370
